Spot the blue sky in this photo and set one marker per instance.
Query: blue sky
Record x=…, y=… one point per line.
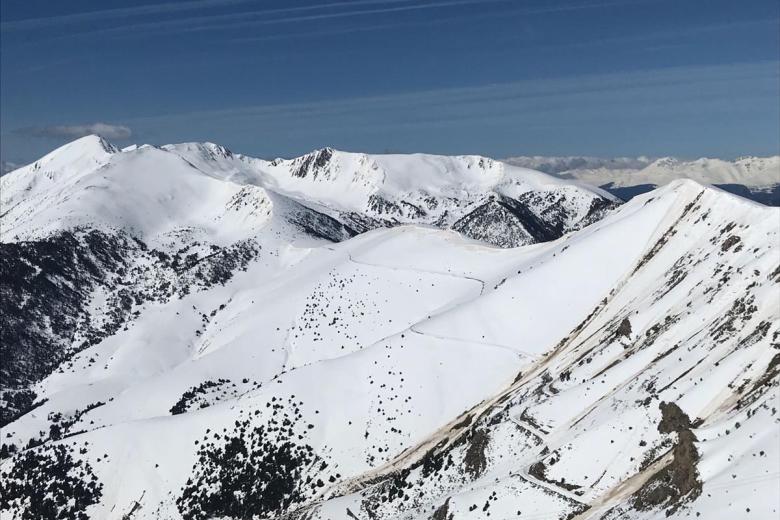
x=495, y=77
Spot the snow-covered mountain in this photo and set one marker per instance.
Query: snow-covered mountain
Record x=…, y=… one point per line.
x=482, y=198
x=757, y=178
x=192, y=334
x=615, y=166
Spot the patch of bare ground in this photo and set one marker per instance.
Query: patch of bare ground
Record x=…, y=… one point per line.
x=443, y=512
x=678, y=482
x=475, y=461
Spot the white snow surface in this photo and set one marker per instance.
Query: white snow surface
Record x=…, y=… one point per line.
x=406, y=344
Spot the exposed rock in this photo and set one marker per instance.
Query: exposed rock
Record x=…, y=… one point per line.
x=678, y=482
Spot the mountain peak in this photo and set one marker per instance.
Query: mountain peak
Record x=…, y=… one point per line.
x=206, y=148
x=91, y=142
x=76, y=157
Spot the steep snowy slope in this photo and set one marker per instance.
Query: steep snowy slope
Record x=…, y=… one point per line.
x=757, y=178
x=178, y=354
x=661, y=400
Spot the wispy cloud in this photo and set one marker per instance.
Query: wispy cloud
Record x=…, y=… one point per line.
x=126, y=13
x=682, y=32
x=672, y=92
x=116, y=13
x=438, y=20
x=74, y=131
x=254, y=18
x=210, y=24
x=667, y=111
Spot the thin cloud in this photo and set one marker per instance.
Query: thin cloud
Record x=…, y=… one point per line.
x=121, y=12
x=74, y=131
x=439, y=20
x=209, y=24
x=169, y=8
x=661, y=93
x=358, y=8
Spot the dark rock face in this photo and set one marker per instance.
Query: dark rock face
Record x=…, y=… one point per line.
x=393, y=211
x=475, y=461
x=443, y=512
x=321, y=226
x=598, y=210
x=505, y=222
x=531, y=218
x=673, y=419
x=314, y=163
x=678, y=482
x=624, y=329
x=559, y=213
x=361, y=223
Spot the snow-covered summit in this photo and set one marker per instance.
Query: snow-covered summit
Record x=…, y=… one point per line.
x=142, y=188
x=77, y=157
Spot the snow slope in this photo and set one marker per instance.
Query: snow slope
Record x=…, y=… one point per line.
x=190, y=340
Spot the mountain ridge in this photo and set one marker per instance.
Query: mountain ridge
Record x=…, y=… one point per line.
x=222, y=350
x=359, y=190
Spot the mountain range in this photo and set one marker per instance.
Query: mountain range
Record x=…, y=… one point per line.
x=755, y=178
x=189, y=333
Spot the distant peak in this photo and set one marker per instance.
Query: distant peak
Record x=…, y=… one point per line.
x=88, y=146
x=206, y=148
x=216, y=149
x=665, y=162
x=89, y=143
x=314, y=162
x=99, y=141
